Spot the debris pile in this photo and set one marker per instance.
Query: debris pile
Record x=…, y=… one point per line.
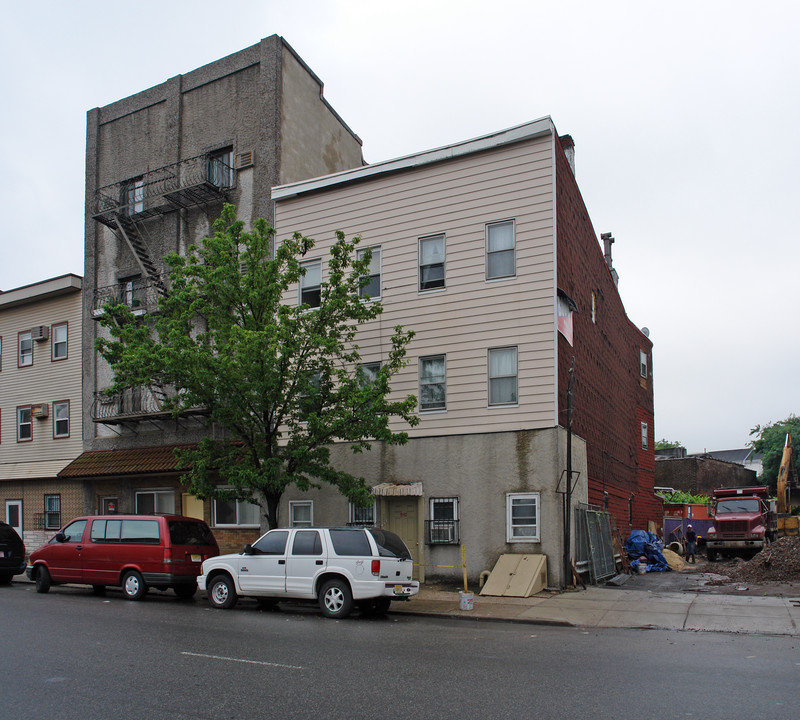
x=778, y=561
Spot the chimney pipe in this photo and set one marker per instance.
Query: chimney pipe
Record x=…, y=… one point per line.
x=608, y=241
x=568, y=146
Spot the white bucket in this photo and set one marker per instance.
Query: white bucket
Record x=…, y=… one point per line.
x=465, y=600
x=642, y=568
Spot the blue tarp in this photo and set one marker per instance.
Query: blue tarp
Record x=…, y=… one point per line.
x=644, y=544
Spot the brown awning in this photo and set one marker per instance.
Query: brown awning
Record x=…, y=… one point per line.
x=134, y=461
x=398, y=489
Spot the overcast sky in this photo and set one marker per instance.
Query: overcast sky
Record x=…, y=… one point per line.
x=685, y=117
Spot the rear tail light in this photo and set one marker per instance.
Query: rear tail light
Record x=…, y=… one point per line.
x=167, y=556
x=376, y=567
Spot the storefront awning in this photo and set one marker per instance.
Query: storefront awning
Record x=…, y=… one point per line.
x=133, y=461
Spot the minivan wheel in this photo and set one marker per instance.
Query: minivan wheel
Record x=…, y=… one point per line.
x=42, y=579
x=222, y=593
x=133, y=586
x=335, y=600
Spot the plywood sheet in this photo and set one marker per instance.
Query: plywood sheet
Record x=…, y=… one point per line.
x=517, y=576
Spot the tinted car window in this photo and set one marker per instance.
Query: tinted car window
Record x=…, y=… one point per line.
x=185, y=532
x=307, y=542
x=140, y=531
x=74, y=531
x=273, y=543
x=389, y=544
x=350, y=542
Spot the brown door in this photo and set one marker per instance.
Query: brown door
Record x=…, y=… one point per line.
x=402, y=517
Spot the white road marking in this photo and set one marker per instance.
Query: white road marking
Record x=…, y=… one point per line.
x=242, y=660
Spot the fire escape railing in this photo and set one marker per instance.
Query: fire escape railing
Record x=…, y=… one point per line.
x=140, y=295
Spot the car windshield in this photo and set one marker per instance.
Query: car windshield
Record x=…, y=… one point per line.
x=186, y=532
x=738, y=505
x=389, y=544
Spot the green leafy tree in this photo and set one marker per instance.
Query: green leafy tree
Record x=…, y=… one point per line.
x=283, y=381
x=664, y=444
x=769, y=440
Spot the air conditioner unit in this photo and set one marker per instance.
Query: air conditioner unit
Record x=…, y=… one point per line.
x=442, y=534
x=40, y=333
x=40, y=411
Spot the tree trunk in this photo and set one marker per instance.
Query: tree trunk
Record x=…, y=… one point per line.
x=272, y=510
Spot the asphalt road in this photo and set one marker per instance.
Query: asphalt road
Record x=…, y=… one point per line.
x=69, y=654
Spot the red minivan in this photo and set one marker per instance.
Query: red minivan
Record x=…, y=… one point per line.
x=136, y=552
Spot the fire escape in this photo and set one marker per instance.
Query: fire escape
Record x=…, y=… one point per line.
x=125, y=207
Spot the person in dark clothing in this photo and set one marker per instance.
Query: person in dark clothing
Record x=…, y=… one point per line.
x=691, y=544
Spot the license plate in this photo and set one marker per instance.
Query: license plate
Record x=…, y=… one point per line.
x=399, y=590
x=196, y=558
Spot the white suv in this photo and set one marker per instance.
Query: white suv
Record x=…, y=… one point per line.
x=334, y=566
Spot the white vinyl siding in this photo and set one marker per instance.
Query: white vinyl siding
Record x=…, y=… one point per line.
x=457, y=198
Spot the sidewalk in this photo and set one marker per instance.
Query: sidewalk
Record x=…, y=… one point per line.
x=618, y=607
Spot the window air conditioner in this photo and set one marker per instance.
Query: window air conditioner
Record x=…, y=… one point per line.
x=442, y=534
x=40, y=411
x=40, y=333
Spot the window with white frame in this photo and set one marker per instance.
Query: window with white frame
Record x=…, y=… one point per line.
x=443, y=525
x=644, y=436
x=25, y=349
x=301, y=513
x=643, y=363
x=362, y=515
x=311, y=284
x=372, y=290
x=522, y=517
x=500, y=250
x=24, y=424
x=432, y=383
x=52, y=512
x=431, y=262
x=59, y=341
x=149, y=502
x=61, y=419
x=239, y=513
x=503, y=376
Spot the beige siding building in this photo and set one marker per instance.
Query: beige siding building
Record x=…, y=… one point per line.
x=464, y=254
x=40, y=404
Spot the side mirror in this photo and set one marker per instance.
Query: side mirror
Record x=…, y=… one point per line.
x=60, y=537
x=248, y=550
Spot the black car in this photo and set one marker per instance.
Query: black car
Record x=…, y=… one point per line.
x=12, y=554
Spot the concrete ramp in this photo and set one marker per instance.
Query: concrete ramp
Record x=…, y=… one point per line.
x=517, y=576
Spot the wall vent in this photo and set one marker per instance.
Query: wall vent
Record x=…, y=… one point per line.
x=244, y=159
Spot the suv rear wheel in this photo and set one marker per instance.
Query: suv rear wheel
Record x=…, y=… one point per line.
x=222, y=593
x=133, y=586
x=336, y=600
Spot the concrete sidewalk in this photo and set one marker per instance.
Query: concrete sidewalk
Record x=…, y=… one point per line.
x=618, y=607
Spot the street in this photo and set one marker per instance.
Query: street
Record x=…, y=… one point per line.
x=69, y=654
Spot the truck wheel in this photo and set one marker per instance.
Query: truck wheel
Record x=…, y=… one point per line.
x=222, y=593
x=711, y=555
x=336, y=600
x=42, y=579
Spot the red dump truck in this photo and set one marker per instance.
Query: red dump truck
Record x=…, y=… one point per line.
x=745, y=521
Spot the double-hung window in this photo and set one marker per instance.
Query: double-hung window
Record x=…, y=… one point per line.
x=431, y=262
x=301, y=513
x=61, y=419
x=643, y=363
x=59, y=341
x=236, y=513
x=432, y=383
x=503, y=376
x=372, y=289
x=644, y=436
x=25, y=349
x=500, y=250
x=24, y=424
x=522, y=517
x=311, y=284
x=368, y=373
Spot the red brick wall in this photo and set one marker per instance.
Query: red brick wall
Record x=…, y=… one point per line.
x=611, y=399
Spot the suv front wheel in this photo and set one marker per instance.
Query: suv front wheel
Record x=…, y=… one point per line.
x=336, y=600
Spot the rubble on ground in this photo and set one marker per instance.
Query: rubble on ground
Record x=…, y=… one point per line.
x=779, y=561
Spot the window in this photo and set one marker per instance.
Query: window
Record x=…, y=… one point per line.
x=350, y=541
x=431, y=262
x=149, y=502
x=644, y=436
x=25, y=349
x=443, y=525
x=61, y=419
x=59, y=341
x=500, y=251
x=73, y=533
x=236, y=512
x=310, y=399
x=432, y=383
x=24, y=424
x=311, y=284
x=372, y=290
x=132, y=291
x=522, y=517
x=368, y=373
x=273, y=543
x=503, y=376
x=362, y=515
x=301, y=514
x=132, y=199
x=643, y=363
x=52, y=512
x=220, y=168
x=307, y=542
